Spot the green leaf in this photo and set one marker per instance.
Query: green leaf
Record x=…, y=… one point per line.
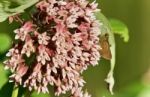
x=106, y=29
x=119, y=28
x=3, y=75
x=5, y=42
x=35, y=94
x=6, y=90
x=6, y=10
x=145, y=92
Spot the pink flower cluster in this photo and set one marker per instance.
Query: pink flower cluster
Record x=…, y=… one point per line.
x=56, y=46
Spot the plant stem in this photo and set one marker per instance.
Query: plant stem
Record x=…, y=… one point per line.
x=15, y=91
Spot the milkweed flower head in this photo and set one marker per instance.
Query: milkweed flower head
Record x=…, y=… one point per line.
x=56, y=46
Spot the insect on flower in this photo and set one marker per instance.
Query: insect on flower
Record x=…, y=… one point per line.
x=105, y=47
x=56, y=45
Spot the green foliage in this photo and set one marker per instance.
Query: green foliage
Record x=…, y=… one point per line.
x=6, y=90
x=3, y=75
x=145, y=92
x=35, y=94
x=5, y=42
x=119, y=28
x=105, y=28
x=6, y=9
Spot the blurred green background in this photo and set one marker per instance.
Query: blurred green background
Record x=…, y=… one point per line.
x=133, y=58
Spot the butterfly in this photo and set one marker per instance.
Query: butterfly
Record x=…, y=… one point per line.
x=105, y=47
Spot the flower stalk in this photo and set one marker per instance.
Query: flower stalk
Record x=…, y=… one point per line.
x=15, y=91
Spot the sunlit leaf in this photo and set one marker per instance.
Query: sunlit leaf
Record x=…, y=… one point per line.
x=106, y=29
x=120, y=28
x=5, y=42
x=145, y=92
x=6, y=10
x=3, y=76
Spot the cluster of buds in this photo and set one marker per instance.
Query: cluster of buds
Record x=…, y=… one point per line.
x=56, y=46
